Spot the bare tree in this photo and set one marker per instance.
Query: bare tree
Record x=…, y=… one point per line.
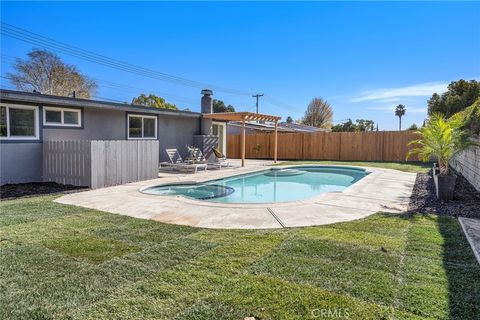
x=319, y=114
x=45, y=72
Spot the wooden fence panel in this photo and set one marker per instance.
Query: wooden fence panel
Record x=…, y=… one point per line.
x=321, y=145
x=395, y=146
x=364, y=146
x=350, y=146
x=233, y=146
x=258, y=146
x=290, y=146
x=65, y=161
x=361, y=146
x=98, y=164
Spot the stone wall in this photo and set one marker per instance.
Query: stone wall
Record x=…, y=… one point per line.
x=467, y=163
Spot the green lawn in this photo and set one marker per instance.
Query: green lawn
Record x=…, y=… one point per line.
x=416, y=167
x=59, y=261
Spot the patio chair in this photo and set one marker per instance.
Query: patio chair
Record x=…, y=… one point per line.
x=174, y=159
x=214, y=163
x=221, y=158
x=176, y=162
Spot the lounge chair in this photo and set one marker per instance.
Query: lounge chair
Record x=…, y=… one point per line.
x=215, y=163
x=176, y=162
x=221, y=158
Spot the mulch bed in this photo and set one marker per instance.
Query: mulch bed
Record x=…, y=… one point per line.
x=20, y=190
x=466, y=202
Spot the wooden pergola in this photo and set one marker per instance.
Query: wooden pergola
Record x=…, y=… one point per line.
x=243, y=117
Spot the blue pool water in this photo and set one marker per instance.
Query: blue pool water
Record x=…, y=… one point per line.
x=268, y=186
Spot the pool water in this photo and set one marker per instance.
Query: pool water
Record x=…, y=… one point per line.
x=268, y=186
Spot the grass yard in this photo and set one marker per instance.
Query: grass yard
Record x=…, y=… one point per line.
x=59, y=261
x=416, y=167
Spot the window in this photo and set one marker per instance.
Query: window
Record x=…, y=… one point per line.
x=18, y=122
x=61, y=117
x=142, y=127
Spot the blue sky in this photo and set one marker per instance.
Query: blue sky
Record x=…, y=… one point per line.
x=363, y=58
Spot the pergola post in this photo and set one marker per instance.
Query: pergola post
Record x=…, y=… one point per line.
x=243, y=117
x=242, y=144
x=275, y=143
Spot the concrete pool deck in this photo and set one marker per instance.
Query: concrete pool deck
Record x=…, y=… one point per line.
x=383, y=190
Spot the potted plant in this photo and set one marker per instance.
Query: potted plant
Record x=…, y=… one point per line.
x=441, y=139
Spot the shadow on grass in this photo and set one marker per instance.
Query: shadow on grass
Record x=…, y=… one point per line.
x=462, y=271
x=442, y=275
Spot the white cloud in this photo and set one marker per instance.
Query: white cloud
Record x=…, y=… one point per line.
x=382, y=108
x=395, y=94
x=394, y=100
x=388, y=109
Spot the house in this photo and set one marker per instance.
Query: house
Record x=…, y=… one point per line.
x=298, y=127
x=235, y=127
x=283, y=127
x=29, y=119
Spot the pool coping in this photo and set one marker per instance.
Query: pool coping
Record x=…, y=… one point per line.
x=383, y=190
x=206, y=203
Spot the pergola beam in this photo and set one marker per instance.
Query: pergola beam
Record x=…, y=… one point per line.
x=240, y=116
x=243, y=117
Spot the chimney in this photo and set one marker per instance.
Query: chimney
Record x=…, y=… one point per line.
x=205, y=140
x=207, y=101
x=207, y=107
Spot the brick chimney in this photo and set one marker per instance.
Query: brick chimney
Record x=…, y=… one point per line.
x=207, y=107
x=207, y=101
x=206, y=141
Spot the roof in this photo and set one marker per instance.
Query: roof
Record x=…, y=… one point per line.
x=240, y=116
x=260, y=126
x=282, y=127
x=13, y=96
x=301, y=127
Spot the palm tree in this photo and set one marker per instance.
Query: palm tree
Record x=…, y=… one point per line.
x=440, y=139
x=400, y=112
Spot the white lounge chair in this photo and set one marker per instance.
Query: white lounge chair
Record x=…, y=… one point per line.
x=221, y=158
x=176, y=162
x=215, y=163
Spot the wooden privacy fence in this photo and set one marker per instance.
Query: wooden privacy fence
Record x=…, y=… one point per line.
x=363, y=146
x=98, y=164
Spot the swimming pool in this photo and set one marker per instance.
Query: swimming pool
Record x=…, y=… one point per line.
x=267, y=186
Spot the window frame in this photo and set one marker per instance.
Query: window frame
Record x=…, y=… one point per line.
x=36, y=122
x=142, y=116
x=62, y=117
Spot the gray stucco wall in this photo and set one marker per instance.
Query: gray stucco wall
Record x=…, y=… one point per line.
x=20, y=162
x=176, y=132
x=173, y=132
x=97, y=125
